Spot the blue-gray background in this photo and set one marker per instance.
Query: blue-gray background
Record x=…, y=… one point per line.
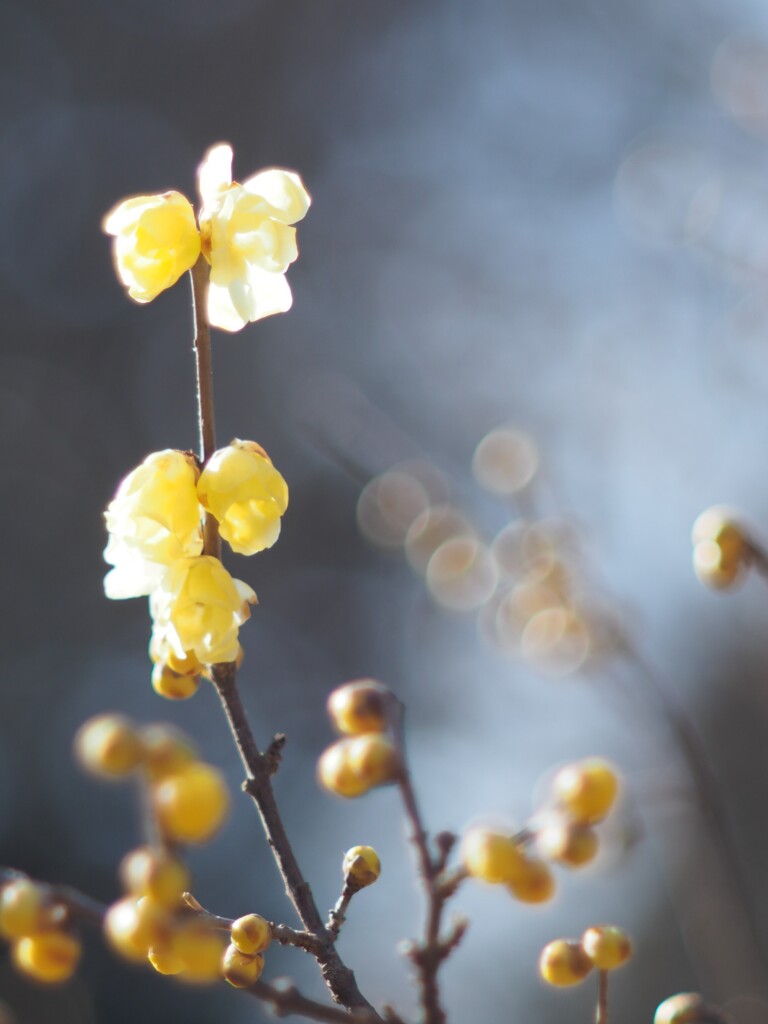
x=551, y=213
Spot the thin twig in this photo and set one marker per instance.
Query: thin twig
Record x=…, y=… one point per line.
x=429, y=954
x=281, y=933
x=601, y=1014
x=260, y=767
x=338, y=914
x=287, y=1001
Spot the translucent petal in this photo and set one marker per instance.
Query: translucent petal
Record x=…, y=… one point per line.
x=283, y=190
x=214, y=173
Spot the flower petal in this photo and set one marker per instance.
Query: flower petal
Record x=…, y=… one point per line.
x=214, y=173
x=284, y=190
x=232, y=306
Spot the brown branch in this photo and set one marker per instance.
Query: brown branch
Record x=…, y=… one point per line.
x=286, y=1001
x=429, y=954
x=260, y=767
x=281, y=933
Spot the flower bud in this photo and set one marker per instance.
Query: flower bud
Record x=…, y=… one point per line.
x=533, y=882
x=243, y=490
x=156, y=241
x=564, y=962
x=192, y=804
x=586, y=790
x=721, y=548
x=201, y=950
x=169, y=684
x=684, y=1008
x=22, y=908
x=157, y=874
x=50, y=957
x=567, y=843
x=132, y=926
x=375, y=759
x=251, y=934
x=361, y=866
x=360, y=707
x=491, y=856
x=335, y=773
x=167, y=750
x=607, y=946
x=241, y=970
x=109, y=746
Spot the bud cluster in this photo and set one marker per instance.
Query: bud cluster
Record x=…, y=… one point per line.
x=43, y=947
x=367, y=757
x=156, y=543
x=188, y=798
x=566, y=962
x=581, y=795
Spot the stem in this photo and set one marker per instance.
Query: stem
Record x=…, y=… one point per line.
x=200, y=275
x=601, y=1015
x=428, y=955
x=260, y=767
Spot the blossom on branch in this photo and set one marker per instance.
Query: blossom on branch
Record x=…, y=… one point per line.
x=156, y=241
x=198, y=609
x=153, y=521
x=243, y=490
x=247, y=238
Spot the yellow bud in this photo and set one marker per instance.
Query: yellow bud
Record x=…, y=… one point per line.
x=156, y=241
x=375, y=759
x=157, y=874
x=165, y=960
x=133, y=926
x=586, y=790
x=192, y=804
x=167, y=750
x=564, y=962
x=335, y=773
x=607, y=946
x=201, y=950
x=360, y=707
x=241, y=970
x=169, y=684
x=567, y=843
x=251, y=934
x=109, y=746
x=50, y=957
x=22, y=908
x=684, y=1008
x=361, y=866
x=246, y=494
x=712, y=568
x=533, y=882
x=491, y=856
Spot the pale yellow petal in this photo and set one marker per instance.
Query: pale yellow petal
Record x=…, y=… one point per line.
x=283, y=190
x=214, y=173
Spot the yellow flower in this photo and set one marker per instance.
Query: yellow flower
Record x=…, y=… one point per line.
x=246, y=494
x=198, y=609
x=153, y=520
x=156, y=241
x=247, y=239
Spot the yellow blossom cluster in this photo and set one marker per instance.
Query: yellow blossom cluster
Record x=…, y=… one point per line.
x=155, y=524
x=243, y=231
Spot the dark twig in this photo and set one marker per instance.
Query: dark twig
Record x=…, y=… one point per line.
x=286, y=1001
x=280, y=932
x=338, y=915
x=261, y=766
x=429, y=954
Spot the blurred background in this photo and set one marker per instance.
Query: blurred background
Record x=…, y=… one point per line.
x=549, y=215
